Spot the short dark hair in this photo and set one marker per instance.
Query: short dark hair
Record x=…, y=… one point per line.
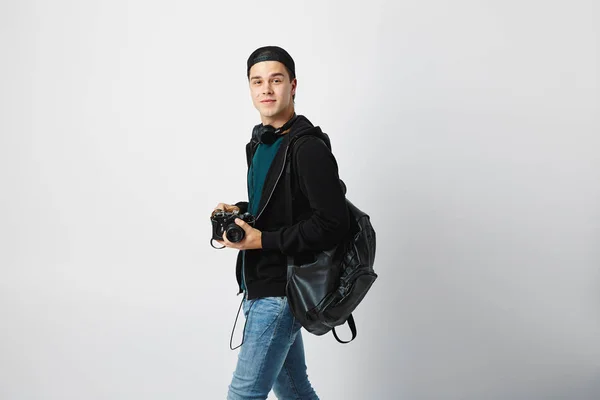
x=272, y=53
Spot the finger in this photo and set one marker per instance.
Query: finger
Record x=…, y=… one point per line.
x=217, y=208
x=224, y=207
x=241, y=223
x=226, y=241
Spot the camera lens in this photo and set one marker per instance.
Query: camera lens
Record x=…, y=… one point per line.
x=235, y=233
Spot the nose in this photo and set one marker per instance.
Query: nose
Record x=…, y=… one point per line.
x=266, y=89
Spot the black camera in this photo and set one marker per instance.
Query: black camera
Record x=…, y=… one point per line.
x=224, y=222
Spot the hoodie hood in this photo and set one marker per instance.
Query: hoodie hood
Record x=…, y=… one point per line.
x=302, y=126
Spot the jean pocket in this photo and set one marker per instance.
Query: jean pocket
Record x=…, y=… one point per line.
x=263, y=313
x=246, y=306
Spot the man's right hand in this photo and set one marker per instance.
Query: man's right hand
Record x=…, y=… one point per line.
x=226, y=208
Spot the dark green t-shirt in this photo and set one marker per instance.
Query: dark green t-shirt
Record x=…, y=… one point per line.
x=261, y=162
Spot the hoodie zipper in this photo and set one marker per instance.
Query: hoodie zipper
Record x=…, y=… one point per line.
x=244, y=253
x=260, y=213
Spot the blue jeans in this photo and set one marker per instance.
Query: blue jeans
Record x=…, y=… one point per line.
x=272, y=354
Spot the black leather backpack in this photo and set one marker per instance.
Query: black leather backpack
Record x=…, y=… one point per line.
x=324, y=293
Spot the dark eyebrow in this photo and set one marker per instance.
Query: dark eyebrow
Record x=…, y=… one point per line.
x=272, y=75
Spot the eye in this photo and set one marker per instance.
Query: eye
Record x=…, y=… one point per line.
x=257, y=82
x=276, y=80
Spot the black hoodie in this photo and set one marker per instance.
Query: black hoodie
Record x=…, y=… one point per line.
x=321, y=218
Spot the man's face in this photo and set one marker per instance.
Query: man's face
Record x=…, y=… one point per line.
x=272, y=90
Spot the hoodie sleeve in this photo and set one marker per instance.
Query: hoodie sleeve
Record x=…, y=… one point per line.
x=242, y=205
x=317, y=172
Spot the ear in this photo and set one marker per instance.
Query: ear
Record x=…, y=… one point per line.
x=294, y=85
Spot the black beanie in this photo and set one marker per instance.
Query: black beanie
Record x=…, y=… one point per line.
x=272, y=53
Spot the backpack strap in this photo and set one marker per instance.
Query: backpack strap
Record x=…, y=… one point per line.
x=289, y=211
x=352, y=326
x=288, y=176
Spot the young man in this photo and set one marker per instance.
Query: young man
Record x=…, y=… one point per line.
x=272, y=353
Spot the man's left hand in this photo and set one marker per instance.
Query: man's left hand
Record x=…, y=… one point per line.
x=252, y=240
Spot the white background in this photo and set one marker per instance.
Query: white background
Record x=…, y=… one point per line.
x=469, y=131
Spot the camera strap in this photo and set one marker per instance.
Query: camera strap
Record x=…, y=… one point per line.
x=213, y=246
x=235, y=324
